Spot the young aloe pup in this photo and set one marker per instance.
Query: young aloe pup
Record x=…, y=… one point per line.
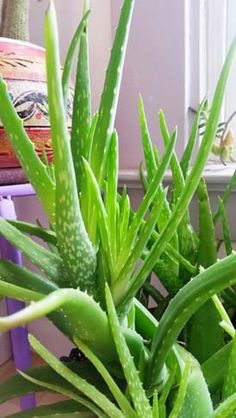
x=98, y=258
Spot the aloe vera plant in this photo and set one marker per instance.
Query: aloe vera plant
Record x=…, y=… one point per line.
x=100, y=253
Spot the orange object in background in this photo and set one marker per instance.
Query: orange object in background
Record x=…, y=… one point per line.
x=22, y=66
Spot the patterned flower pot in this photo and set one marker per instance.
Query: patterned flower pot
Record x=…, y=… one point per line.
x=22, y=65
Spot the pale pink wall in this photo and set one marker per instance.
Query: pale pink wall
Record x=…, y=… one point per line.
x=156, y=67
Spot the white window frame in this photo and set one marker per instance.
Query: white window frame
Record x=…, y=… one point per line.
x=213, y=31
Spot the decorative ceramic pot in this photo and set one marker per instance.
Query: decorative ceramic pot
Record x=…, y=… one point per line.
x=22, y=65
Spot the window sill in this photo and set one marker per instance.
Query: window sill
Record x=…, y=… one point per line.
x=216, y=175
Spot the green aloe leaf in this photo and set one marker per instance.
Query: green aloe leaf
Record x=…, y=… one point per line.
x=70, y=55
x=81, y=117
x=61, y=390
x=48, y=262
x=35, y=170
x=187, y=155
x=137, y=393
x=115, y=390
x=226, y=228
x=214, y=369
x=174, y=254
x=85, y=197
x=83, y=312
x=75, y=247
x=149, y=156
x=182, y=390
x=20, y=276
x=226, y=409
x=18, y=292
x=45, y=234
x=149, y=198
x=155, y=406
x=79, y=383
x=187, y=301
x=138, y=248
x=17, y=386
x=152, y=161
x=111, y=193
x=101, y=215
x=197, y=401
x=205, y=334
x=166, y=391
x=229, y=386
x=226, y=196
x=125, y=213
x=109, y=99
x=186, y=235
x=191, y=182
x=177, y=175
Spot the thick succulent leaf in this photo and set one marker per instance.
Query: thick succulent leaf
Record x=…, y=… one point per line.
x=125, y=213
x=101, y=215
x=226, y=196
x=155, y=407
x=75, y=247
x=187, y=301
x=150, y=161
x=81, y=117
x=111, y=192
x=49, y=263
x=17, y=292
x=147, y=201
x=225, y=228
x=77, y=314
x=64, y=409
x=205, y=334
x=22, y=291
x=191, y=182
x=109, y=99
x=137, y=393
x=143, y=237
x=186, y=235
x=89, y=216
x=187, y=155
x=143, y=176
x=79, y=383
x=35, y=170
x=226, y=409
x=166, y=391
x=145, y=322
x=70, y=55
x=197, y=402
x=174, y=254
x=215, y=368
x=182, y=390
x=114, y=388
x=21, y=276
x=177, y=175
x=17, y=386
x=46, y=235
x=229, y=386
x=65, y=392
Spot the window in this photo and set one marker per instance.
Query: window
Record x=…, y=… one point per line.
x=217, y=31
